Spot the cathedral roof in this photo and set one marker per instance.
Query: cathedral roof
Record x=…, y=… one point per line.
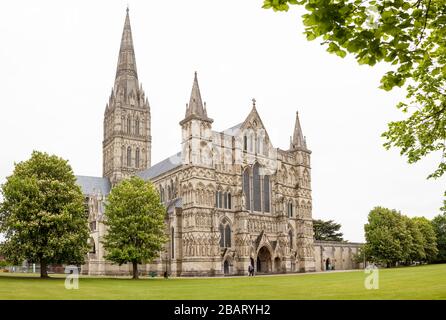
x=233, y=131
x=161, y=167
x=175, y=203
x=93, y=185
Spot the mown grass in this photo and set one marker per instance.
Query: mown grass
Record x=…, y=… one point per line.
x=422, y=282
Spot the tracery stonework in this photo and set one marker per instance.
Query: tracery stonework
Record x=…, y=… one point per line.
x=232, y=199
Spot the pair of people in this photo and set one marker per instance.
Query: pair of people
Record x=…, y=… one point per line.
x=250, y=270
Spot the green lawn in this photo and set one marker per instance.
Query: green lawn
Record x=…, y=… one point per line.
x=423, y=282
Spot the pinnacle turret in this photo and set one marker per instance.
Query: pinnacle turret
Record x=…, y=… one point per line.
x=297, y=140
x=196, y=109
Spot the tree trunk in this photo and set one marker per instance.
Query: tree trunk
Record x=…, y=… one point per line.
x=135, y=270
x=43, y=269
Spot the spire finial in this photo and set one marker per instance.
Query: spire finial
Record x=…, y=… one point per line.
x=127, y=8
x=253, y=102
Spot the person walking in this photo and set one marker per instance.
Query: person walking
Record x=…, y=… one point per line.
x=250, y=270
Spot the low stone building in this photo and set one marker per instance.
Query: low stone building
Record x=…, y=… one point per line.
x=335, y=255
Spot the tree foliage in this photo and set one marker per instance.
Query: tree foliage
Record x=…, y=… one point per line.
x=327, y=230
x=42, y=215
x=394, y=238
x=408, y=35
x=429, y=237
x=135, y=220
x=439, y=223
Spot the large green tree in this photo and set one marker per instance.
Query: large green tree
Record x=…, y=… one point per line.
x=439, y=223
x=408, y=35
x=327, y=230
x=43, y=215
x=387, y=238
x=392, y=237
x=429, y=240
x=415, y=241
x=135, y=219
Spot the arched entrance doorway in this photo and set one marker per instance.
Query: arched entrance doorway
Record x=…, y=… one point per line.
x=327, y=264
x=226, y=267
x=264, y=260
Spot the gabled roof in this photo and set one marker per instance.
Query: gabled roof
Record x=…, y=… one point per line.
x=93, y=185
x=161, y=167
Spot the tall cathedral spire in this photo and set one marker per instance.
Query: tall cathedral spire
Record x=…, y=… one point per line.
x=126, y=74
x=127, y=140
x=298, y=140
x=195, y=108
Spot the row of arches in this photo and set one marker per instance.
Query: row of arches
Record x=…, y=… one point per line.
x=262, y=262
x=223, y=200
x=292, y=177
x=127, y=157
x=131, y=125
x=205, y=195
x=168, y=190
x=255, y=141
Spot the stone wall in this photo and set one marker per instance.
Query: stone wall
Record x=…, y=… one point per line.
x=340, y=255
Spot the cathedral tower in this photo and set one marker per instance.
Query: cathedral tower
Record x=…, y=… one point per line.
x=127, y=139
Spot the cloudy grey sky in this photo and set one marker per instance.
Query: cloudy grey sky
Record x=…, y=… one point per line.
x=58, y=61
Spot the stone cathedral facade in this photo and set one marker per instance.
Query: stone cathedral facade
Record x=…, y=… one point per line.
x=232, y=199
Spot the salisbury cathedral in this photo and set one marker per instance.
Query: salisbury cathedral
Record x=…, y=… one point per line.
x=232, y=199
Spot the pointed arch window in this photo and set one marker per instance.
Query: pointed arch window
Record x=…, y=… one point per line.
x=172, y=242
x=290, y=238
x=229, y=201
x=221, y=228
x=220, y=199
x=225, y=200
x=129, y=125
x=137, y=158
x=259, y=146
x=225, y=235
x=256, y=192
x=245, y=143
x=247, y=189
x=266, y=194
x=129, y=156
x=137, y=126
x=290, y=209
x=251, y=142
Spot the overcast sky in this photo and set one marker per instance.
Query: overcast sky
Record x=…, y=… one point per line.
x=58, y=62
